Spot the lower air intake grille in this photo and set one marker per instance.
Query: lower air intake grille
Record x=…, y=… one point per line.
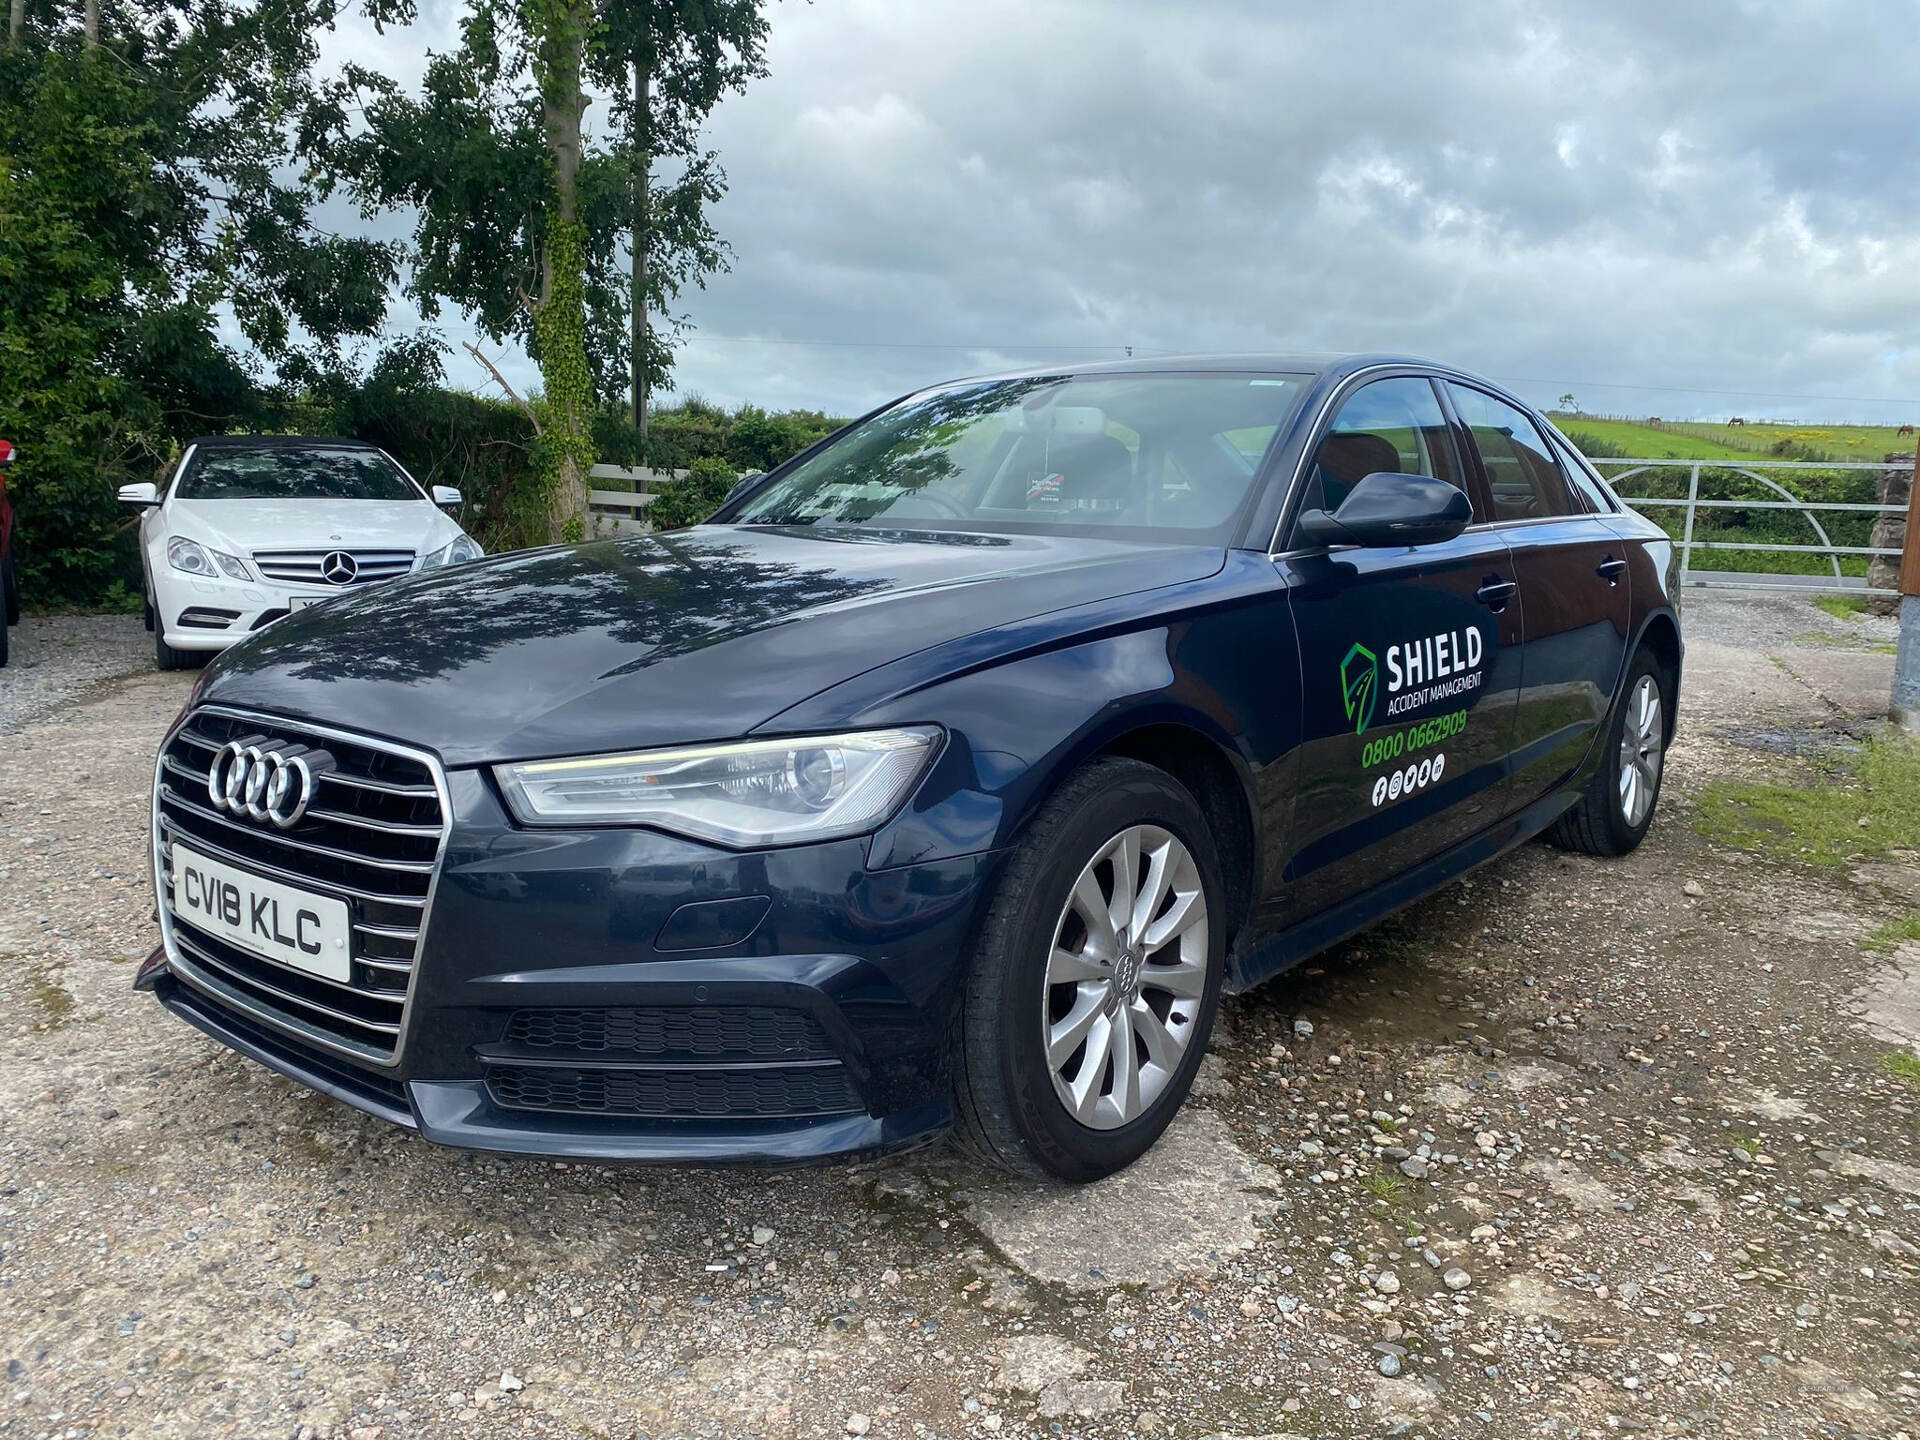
x=718, y=1032
x=676, y=1094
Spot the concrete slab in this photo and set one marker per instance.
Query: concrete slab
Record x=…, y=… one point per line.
x=1197, y=1194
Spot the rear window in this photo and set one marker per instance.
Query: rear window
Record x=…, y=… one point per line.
x=294, y=472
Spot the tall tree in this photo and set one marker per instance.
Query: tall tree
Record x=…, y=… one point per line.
x=514, y=211
x=668, y=63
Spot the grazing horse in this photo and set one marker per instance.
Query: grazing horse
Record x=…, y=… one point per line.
x=1737, y=420
x=1904, y=430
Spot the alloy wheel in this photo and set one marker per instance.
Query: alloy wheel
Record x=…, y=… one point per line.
x=1125, y=977
x=1642, y=748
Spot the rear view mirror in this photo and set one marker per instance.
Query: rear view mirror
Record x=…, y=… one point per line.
x=145, y=493
x=745, y=483
x=445, y=495
x=1386, y=509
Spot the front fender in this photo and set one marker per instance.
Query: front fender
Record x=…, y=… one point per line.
x=1218, y=662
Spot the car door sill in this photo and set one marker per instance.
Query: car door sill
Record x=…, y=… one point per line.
x=1270, y=955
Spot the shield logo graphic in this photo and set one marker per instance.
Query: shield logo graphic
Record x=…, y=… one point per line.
x=1359, y=682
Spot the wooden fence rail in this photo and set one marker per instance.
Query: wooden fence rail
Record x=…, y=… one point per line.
x=622, y=511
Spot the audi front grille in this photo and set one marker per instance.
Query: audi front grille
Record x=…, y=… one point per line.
x=371, y=835
x=309, y=567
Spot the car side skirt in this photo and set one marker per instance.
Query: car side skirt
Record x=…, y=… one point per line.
x=1260, y=960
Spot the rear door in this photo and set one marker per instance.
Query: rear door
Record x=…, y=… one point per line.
x=1411, y=660
x=1574, y=589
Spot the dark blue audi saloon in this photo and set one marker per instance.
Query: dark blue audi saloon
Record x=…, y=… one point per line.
x=942, y=781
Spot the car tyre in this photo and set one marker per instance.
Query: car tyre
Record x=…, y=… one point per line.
x=10, y=582
x=165, y=657
x=1613, y=815
x=1041, y=969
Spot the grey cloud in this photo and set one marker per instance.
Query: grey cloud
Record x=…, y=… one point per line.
x=1712, y=195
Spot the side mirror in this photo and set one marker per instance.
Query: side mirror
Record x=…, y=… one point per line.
x=446, y=495
x=1389, y=510
x=9, y=452
x=144, y=494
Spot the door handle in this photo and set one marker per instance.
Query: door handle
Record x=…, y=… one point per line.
x=1494, y=593
x=1611, y=569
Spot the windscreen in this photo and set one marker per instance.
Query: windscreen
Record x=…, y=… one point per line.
x=1153, y=456
x=294, y=472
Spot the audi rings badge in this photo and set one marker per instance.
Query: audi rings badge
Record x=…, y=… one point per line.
x=268, y=781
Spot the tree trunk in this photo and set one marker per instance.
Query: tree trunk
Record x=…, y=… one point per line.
x=1895, y=484
x=642, y=188
x=90, y=24
x=16, y=22
x=560, y=314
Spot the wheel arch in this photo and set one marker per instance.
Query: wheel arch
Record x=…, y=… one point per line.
x=1204, y=763
x=1661, y=634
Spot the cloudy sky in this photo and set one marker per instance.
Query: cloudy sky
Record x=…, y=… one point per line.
x=1685, y=209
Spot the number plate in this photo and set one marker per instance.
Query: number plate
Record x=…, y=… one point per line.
x=292, y=927
x=301, y=602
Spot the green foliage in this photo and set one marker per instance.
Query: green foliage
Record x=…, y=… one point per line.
x=1869, y=810
x=749, y=439
x=142, y=184
x=689, y=501
x=1902, y=1065
x=1896, y=932
x=1596, y=447
x=472, y=155
x=1842, y=607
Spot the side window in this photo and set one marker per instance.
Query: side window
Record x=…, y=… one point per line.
x=1394, y=425
x=1522, y=474
x=1588, y=488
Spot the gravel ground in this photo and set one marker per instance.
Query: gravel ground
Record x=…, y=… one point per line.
x=1571, y=1148
x=58, y=657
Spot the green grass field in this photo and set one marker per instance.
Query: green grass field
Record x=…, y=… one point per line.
x=1693, y=440
x=1644, y=442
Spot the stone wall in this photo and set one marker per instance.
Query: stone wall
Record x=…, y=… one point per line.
x=1895, y=485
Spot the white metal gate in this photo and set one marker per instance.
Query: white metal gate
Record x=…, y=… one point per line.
x=1691, y=504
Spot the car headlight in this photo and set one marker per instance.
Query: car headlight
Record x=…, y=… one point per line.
x=197, y=559
x=744, y=795
x=458, y=553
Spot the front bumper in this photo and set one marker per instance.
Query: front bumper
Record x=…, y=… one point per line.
x=626, y=996
x=199, y=612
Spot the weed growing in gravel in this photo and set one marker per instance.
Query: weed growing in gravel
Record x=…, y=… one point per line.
x=1902, y=1065
x=1907, y=927
x=1844, y=642
x=1382, y=1186
x=1842, y=607
x=1843, y=816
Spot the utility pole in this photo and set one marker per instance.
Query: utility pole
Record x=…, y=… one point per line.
x=642, y=195
x=1906, y=664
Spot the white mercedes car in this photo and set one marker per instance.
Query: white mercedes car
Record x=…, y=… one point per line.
x=251, y=528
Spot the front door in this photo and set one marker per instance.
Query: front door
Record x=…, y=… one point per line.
x=1572, y=571
x=1411, y=665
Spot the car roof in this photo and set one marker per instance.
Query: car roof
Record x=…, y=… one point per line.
x=1313, y=363
x=281, y=442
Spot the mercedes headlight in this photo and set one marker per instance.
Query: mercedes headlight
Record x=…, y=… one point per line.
x=458, y=553
x=745, y=794
x=197, y=559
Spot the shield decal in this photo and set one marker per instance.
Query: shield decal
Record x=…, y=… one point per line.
x=1359, y=682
